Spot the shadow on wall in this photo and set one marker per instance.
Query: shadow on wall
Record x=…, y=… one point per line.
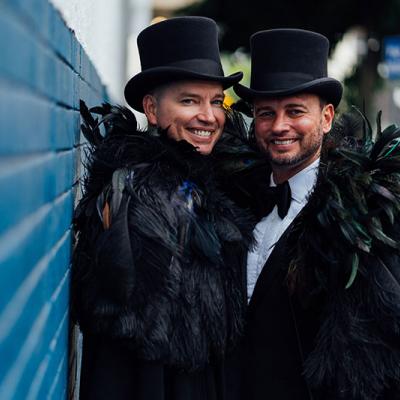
x=43, y=73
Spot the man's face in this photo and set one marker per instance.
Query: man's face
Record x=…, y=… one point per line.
x=191, y=111
x=290, y=130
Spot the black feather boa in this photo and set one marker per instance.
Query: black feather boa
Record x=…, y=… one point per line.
x=345, y=247
x=158, y=262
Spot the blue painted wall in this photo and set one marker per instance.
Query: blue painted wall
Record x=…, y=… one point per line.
x=43, y=73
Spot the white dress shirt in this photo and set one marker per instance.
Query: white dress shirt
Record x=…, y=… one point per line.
x=269, y=230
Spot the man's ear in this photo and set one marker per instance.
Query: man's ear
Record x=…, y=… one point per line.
x=328, y=113
x=150, y=108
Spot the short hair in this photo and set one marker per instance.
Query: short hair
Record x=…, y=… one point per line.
x=322, y=101
x=159, y=90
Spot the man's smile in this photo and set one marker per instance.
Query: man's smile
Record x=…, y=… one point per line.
x=206, y=133
x=283, y=141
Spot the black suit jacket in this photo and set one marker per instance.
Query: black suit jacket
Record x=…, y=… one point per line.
x=282, y=331
x=278, y=333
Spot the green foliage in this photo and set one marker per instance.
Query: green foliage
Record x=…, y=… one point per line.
x=234, y=62
x=332, y=18
x=238, y=20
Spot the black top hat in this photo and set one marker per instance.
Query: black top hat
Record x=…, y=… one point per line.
x=177, y=49
x=289, y=61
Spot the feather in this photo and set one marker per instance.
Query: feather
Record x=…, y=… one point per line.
x=385, y=140
x=351, y=238
x=159, y=270
x=354, y=269
x=118, y=186
x=90, y=126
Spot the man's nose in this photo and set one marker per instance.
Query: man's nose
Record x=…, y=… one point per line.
x=206, y=114
x=280, y=123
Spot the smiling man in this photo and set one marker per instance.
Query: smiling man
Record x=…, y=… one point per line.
x=290, y=131
x=323, y=281
x=158, y=269
x=190, y=111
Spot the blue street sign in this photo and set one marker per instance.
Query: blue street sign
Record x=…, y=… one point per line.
x=392, y=56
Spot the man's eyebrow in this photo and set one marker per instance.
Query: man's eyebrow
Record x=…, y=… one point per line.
x=295, y=105
x=220, y=95
x=188, y=94
x=258, y=108
x=191, y=94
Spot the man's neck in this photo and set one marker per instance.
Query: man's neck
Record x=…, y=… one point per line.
x=284, y=173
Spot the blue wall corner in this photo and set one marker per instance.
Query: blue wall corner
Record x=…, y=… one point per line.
x=44, y=72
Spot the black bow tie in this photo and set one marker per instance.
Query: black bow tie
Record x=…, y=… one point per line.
x=279, y=196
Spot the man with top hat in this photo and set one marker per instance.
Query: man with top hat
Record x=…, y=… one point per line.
x=158, y=266
x=323, y=319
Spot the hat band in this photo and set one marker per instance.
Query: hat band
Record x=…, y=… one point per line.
x=200, y=66
x=279, y=80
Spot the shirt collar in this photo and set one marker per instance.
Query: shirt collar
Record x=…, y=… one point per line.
x=302, y=184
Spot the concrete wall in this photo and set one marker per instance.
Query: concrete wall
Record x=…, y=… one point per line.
x=101, y=27
x=44, y=71
x=107, y=30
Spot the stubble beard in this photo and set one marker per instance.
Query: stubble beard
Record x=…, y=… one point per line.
x=292, y=161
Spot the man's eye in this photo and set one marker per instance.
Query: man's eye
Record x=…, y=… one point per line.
x=218, y=103
x=265, y=114
x=295, y=112
x=187, y=101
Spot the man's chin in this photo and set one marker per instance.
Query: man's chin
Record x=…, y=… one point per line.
x=293, y=163
x=284, y=161
x=204, y=150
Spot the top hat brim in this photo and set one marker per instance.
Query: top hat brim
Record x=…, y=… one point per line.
x=146, y=81
x=329, y=89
